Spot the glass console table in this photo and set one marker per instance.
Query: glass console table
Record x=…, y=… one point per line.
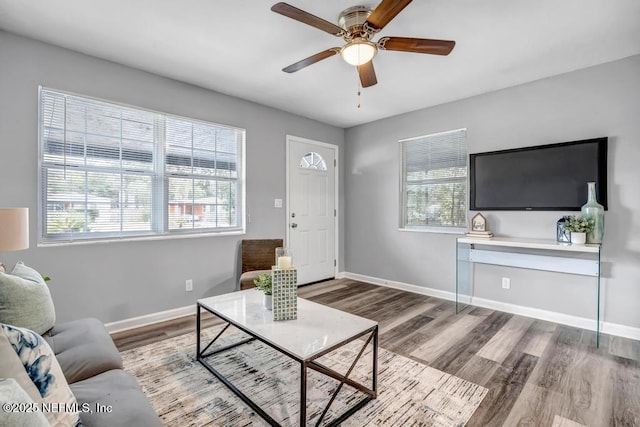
x=535, y=254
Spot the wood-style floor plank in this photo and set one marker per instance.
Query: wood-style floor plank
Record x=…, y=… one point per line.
x=626, y=392
x=537, y=373
x=319, y=291
x=624, y=347
x=505, y=387
x=149, y=334
x=537, y=337
x=430, y=351
x=559, y=421
x=398, y=334
x=557, y=360
x=457, y=356
x=407, y=316
x=537, y=406
x=502, y=343
x=478, y=370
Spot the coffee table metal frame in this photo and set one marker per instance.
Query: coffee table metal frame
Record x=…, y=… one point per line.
x=371, y=335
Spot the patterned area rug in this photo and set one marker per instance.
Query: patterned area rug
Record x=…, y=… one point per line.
x=184, y=393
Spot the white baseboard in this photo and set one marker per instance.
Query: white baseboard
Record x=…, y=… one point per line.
x=148, y=319
x=402, y=286
x=551, y=316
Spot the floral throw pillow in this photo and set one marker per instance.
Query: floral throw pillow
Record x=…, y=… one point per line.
x=58, y=403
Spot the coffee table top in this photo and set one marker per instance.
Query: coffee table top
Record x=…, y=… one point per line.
x=316, y=329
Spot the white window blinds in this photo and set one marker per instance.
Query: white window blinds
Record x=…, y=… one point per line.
x=202, y=174
x=109, y=170
x=434, y=180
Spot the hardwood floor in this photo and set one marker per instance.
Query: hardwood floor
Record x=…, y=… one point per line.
x=538, y=373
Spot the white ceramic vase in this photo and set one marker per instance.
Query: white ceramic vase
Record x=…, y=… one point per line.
x=578, y=238
x=268, y=302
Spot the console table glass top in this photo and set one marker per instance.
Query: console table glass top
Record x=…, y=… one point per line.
x=545, y=244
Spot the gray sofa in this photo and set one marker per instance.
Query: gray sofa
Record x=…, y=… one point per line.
x=92, y=366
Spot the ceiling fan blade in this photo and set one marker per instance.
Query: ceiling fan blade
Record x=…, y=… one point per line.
x=385, y=12
x=306, y=18
x=311, y=60
x=367, y=74
x=408, y=44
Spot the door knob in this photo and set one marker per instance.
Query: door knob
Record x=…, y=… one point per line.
x=294, y=225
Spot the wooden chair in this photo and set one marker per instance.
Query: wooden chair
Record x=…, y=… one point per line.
x=258, y=255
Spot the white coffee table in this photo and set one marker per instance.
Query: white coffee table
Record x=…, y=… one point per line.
x=318, y=330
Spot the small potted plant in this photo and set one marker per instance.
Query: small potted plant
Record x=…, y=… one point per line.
x=263, y=282
x=579, y=227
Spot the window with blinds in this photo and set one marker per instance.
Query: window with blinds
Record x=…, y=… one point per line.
x=115, y=171
x=434, y=181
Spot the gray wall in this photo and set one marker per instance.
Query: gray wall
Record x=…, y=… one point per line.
x=598, y=101
x=114, y=281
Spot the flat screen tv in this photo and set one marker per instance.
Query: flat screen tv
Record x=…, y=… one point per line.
x=546, y=178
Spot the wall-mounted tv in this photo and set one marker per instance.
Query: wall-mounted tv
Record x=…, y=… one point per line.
x=546, y=178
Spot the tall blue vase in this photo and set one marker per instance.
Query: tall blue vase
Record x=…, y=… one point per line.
x=594, y=210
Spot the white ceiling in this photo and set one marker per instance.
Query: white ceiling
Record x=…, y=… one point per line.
x=238, y=47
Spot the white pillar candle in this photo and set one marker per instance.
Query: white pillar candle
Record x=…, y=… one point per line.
x=284, y=262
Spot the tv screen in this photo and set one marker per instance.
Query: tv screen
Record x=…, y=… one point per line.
x=547, y=177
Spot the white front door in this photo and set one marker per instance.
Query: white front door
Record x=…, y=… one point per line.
x=311, y=208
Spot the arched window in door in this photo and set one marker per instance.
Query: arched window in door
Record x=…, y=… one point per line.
x=313, y=160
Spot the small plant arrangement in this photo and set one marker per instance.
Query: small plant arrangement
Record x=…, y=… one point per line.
x=263, y=282
x=579, y=224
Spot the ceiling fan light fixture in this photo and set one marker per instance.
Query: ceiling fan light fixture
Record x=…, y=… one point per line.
x=358, y=52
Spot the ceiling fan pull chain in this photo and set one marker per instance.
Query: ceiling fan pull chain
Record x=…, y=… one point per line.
x=358, y=89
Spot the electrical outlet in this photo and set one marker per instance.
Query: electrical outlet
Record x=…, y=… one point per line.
x=188, y=285
x=277, y=203
x=506, y=283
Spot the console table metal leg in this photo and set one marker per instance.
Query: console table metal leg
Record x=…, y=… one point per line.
x=598, y=309
x=457, y=275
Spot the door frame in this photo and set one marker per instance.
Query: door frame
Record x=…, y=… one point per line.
x=336, y=225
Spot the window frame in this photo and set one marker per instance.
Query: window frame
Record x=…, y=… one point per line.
x=159, y=192
x=403, y=208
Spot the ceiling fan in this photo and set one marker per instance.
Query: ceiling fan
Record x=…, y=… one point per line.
x=357, y=26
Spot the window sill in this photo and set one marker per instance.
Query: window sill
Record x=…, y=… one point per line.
x=439, y=230
x=139, y=238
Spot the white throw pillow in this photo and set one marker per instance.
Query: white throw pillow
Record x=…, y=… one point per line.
x=21, y=411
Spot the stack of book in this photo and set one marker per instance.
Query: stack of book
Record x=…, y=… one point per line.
x=480, y=234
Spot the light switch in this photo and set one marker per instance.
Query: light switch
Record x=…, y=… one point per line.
x=277, y=203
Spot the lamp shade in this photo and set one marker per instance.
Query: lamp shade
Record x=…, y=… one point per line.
x=14, y=229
